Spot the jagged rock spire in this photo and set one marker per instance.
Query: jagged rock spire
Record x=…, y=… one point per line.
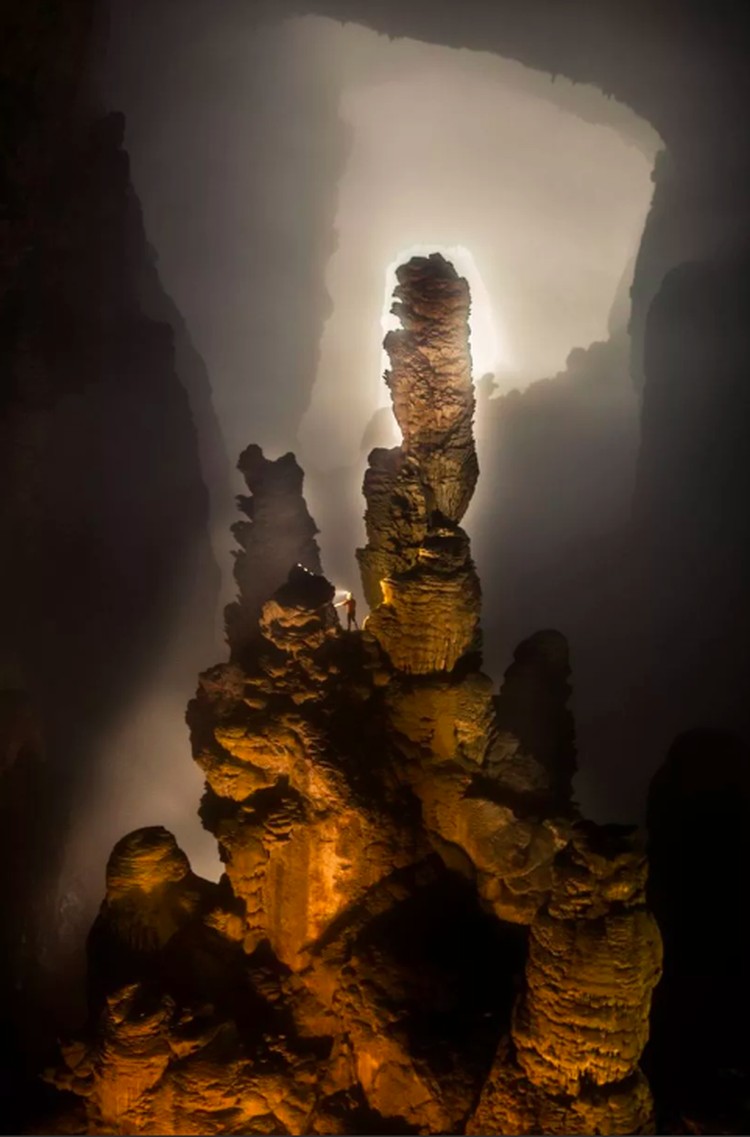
x=278, y=534
x=427, y=482
x=417, y=571
x=431, y=383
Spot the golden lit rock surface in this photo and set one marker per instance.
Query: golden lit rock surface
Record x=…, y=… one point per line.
x=429, y=615
x=437, y=719
x=584, y=1015
x=414, y=932
x=145, y=860
x=512, y=1105
x=300, y=844
x=594, y=959
x=396, y=518
x=156, y=1070
x=418, y=492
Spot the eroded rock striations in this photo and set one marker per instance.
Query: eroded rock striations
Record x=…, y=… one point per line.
x=423, y=487
x=415, y=930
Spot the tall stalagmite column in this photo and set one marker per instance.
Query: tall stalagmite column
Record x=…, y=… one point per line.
x=415, y=931
x=493, y=779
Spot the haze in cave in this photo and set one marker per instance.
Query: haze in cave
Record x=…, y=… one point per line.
x=203, y=210
x=492, y=156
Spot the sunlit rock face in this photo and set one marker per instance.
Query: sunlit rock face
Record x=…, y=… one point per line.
x=581, y=1023
x=415, y=930
x=425, y=485
x=430, y=380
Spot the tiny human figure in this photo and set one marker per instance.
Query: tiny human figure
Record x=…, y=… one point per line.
x=350, y=604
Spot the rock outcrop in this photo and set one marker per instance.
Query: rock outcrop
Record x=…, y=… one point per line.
x=415, y=931
x=424, y=485
x=279, y=532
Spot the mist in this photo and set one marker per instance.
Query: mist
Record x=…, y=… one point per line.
x=284, y=169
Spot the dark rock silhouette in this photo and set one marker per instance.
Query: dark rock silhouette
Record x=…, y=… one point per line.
x=24, y=817
x=559, y=462
x=279, y=533
x=281, y=319
x=699, y=852
x=692, y=531
x=535, y=749
x=104, y=512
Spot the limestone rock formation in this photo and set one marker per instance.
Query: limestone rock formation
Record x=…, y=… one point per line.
x=279, y=533
x=414, y=932
x=427, y=482
x=582, y=1021
x=430, y=380
x=151, y=896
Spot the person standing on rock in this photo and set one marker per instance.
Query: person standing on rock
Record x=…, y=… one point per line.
x=350, y=604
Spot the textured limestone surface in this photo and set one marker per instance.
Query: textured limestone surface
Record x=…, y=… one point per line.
x=415, y=931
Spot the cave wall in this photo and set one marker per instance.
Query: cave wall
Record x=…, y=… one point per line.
x=244, y=153
x=104, y=518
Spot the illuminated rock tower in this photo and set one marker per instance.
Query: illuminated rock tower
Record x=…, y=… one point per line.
x=415, y=931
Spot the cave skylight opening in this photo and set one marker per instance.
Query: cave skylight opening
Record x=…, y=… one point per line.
x=537, y=189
